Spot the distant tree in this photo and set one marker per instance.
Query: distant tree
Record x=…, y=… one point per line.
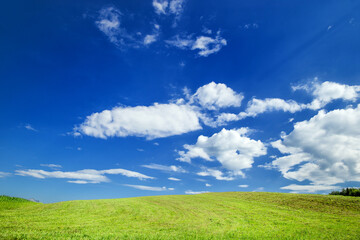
x=354, y=192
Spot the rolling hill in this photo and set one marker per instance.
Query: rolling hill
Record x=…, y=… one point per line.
x=229, y=215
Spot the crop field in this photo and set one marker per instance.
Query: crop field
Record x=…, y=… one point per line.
x=230, y=215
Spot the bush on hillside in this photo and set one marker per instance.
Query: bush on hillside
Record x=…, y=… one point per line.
x=354, y=192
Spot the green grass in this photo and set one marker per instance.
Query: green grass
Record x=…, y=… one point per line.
x=232, y=215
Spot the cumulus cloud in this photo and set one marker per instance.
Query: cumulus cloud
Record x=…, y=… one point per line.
x=174, y=179
x=204, y=45
x=323, y=150
x=81, y=176
x=148, y=188
x=207, y=185
x=171, y=168
x=190, y=192
x=213, y=96
x=326, y=92
x=156, y=121
x=257, y=106
x=310, y=188
x=232, y=148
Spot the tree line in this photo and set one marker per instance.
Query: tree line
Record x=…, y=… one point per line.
x=355, y=192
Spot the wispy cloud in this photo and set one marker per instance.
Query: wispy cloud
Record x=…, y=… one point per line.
x=29, y=127
x=149, y=188
x=53, y=166
x=310, y=188
x=82, y=176
x=190, y=192
x=243, y=186
x=204, y=45
x=174, y=179
x=171, y=168
x=4, y=174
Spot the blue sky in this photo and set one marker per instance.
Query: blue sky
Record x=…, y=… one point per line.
x=112, y=99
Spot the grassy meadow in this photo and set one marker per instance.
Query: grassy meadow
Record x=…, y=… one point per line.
x=230, y=215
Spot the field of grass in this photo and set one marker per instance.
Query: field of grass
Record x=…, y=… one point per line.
x=231, y=215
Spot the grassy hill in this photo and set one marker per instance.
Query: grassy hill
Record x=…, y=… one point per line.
x=231, y=215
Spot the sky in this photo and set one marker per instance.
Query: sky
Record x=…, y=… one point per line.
x=114, y=99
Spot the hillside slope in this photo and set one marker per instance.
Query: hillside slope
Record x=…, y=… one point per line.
x=232, y=215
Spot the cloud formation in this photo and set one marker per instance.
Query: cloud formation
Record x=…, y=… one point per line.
x=149, y=188
x=31, y=128
x=204, y=45
x=174, y=179
x=310, y=188
x=161, y=120
x=214, y=96
x=165, y=7
x=82, y=176
x=109, y=23
x=53, y=166
x=4, y=174
x=233, y=149
x=156, y=121
x=219, y=175
x=190, y=192
x=323, y=150
x=171, y=168
x=327, y=92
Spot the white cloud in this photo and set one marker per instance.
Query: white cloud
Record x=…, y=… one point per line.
x=207, y=185
x=257, y=106
x=171, y=168
x=176, y=6
x=213, y=96
x=29, y=127
x=160, y=6
x=80, y=182
x=195, y=192
x=4, y=174
x=150, y=38
x=323, y=94
x=109, y=22
x=310, y=188
x=204, y=45
x=82, y=176
x=207, y=45
x=174, y=179
x=148, y=188
x=216, y=174
x=181, y=42
x=326, y=92
x=243, y=186
x=54, y=166
x=324, y=150
x=259, y=189
x=173, y=7
x=232, y=148
x=157, y=121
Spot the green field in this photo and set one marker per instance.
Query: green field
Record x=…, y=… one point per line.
x=232, y=215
